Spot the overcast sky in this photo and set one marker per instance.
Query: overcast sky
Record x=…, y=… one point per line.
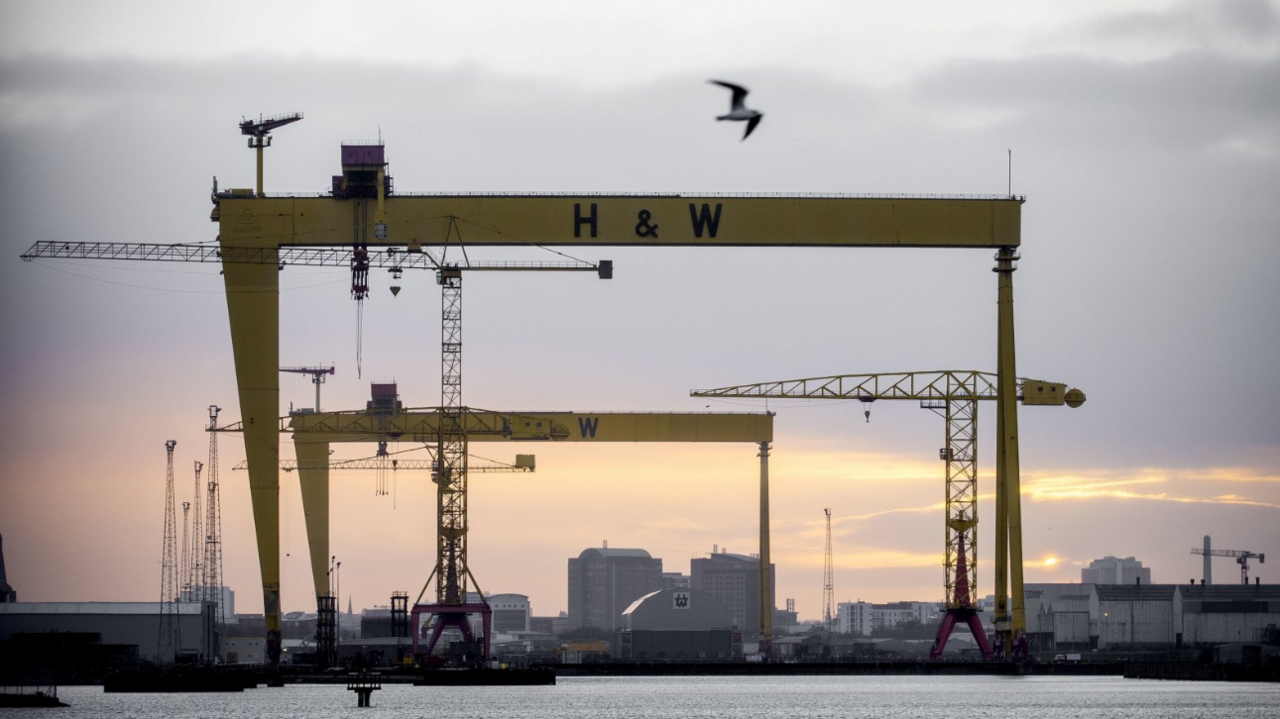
x=1146, y=137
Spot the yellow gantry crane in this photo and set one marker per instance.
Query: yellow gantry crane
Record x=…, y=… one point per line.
x=362, y=223
x=954, y=394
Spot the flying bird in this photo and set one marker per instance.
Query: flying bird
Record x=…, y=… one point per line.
x=736, y=109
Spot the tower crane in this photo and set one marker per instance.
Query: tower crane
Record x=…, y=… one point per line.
x=954, y=394
x=259, y=132
x=317, y=377
x=449, y=472
x=1241, y=556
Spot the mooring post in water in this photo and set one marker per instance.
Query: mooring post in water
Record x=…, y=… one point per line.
x=364, y=685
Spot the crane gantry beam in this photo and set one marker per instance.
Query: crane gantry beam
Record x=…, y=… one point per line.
x=955, y=394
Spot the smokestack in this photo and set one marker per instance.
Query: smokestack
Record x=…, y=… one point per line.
x=1208, y=566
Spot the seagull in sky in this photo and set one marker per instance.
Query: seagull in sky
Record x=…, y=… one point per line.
x=736, y=109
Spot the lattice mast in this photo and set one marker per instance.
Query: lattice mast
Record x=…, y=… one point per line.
x=212, y=580
x=828, y=581
x=184, y=556
x=169, y=638
x=451, y=451
x=195, y=563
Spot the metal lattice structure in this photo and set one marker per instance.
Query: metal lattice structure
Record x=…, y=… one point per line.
x=195, y=563
x=169, y=637
x=212, y=580
x=524, y=463
x=451, y=452
x=961, y=456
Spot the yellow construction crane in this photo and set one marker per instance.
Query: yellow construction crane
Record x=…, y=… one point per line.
x=954, y=395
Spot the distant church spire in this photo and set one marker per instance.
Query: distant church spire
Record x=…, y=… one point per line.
x=6, y=592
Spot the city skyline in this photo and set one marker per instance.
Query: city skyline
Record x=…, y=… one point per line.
x=1143, y=135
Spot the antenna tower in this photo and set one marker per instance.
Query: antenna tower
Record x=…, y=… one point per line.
x=168, y=642
x=828, y=582
x=212, y=579
x=195, y=564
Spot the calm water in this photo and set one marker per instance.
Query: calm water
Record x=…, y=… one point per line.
x=715, y=697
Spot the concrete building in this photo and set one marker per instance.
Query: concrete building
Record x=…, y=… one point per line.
x=675, y=580
x=603, y=582
x=511, y=613
x=1110, y=570
x=862, y=618
x=118, y=623
x=735, y=580
x=677, y=625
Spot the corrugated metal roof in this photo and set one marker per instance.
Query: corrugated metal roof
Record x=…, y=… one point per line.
x=94, y=608
x=1230, y=592
x=1135, y=592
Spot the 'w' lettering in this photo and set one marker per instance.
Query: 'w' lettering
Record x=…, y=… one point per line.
x=704, y=220
x=587, y=426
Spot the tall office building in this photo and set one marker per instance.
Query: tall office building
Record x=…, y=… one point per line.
x=1110, y=570
x=603, y=582
x=735, y=580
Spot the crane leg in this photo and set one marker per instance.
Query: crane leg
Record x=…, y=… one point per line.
x=313, y=476
x=766, y=575
x=253, y=292
x=1014, y=637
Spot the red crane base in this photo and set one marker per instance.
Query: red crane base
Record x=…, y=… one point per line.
x=451, y=615
x=968, y=616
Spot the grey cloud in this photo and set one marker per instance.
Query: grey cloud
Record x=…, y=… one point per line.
x=1188, y=100
x=1197, y=22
